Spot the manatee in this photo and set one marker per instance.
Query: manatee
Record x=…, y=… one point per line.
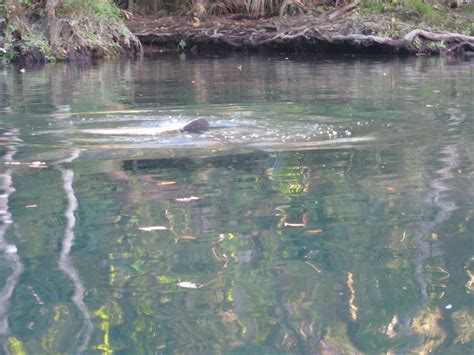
x=195, y=126
x=248, y=134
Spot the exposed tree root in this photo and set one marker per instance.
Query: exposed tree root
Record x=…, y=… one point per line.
x=306, y=38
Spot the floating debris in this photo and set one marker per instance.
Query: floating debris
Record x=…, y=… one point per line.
x=313, y=266
x=294, y=224
x=186, y=237
x=391, y=331
x=38, y=165
x=153, y=228
x=34, y=164
x=186, y=284
x=188, y=199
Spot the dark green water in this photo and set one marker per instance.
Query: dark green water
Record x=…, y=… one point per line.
x=328, y=210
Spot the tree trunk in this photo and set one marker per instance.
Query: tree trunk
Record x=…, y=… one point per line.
x=15, y=15
x=54, y=22
x=51, y=7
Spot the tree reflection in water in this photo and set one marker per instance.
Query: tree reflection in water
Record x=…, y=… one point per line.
x=65, y=262
x=9, y=254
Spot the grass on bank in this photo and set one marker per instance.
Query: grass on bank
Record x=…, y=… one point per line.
x=423, y=8
x=434, y=14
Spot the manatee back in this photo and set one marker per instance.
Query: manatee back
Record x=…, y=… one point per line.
x=195, y=126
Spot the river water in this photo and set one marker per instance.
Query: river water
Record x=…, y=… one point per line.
x=327, y=210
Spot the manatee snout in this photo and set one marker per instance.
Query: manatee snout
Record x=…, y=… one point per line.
x=195, y=126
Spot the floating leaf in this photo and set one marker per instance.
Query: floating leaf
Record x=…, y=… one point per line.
x=186, y=284
x=188, y=199
x=313, y=231
x=167, y=183
x=153, y=228
x=229, y=236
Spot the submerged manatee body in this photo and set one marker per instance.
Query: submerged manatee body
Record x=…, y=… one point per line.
x=198, y=125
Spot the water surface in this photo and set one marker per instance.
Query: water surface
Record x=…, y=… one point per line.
x=328, y=210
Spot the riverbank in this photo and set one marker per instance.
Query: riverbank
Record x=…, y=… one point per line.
x=353, y=31
x=101, y=30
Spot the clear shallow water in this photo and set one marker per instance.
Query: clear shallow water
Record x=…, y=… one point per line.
x=281, y=235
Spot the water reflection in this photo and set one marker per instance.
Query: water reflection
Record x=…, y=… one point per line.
x=430, y=268
x=9, y=257
x=64, y=262
x=263, y=243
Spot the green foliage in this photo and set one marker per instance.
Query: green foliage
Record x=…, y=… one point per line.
x=430, y=10
x=417, y=43
x=92, y=26
x=375, y=5
x=38, y=41
x=424, y=8
x=98, y=8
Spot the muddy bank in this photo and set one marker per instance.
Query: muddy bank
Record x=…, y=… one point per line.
x=301, y=34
